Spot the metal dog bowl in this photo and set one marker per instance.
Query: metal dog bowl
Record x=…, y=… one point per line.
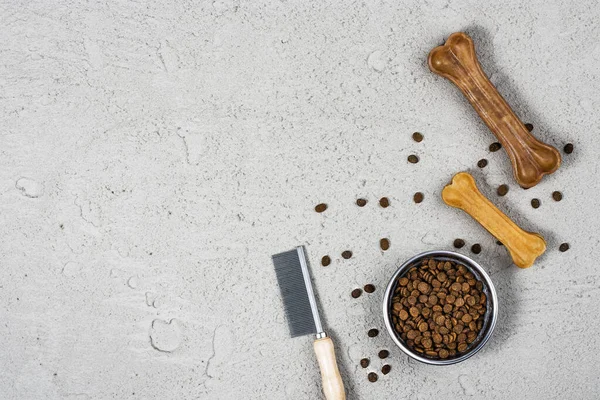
x=489, y=318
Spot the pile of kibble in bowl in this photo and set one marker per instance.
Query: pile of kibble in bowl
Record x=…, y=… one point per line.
x=438, y=308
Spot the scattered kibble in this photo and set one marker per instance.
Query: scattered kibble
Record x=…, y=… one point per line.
x=568, y=148
x=325, y=261
x=320, y=207
x=364, y=362
x=356, y=293
x=502, y=190
x=413, y=159
x=418, y=197
x=383, y=354
x=346, y=254
x=529, y=127
x=373, y=332
x=417, y=137
x=369, y=288
x=495, y=147
x=536, y=203
x=476, y=248
x=372, y=377
x=564, y=247
x=384, y=244
x=557, y=196
x=361, y=202
x=438, y=308
x=482, y=163
x=384, y=202
x=458, y=243
x=386, y=369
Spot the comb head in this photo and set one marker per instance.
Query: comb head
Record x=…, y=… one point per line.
x=296, y=290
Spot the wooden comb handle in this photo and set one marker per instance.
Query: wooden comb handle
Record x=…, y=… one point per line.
x=531, y=159
x=333, y=386
x=524, y=247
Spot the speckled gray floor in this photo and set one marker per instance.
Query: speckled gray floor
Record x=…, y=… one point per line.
x=153, y=155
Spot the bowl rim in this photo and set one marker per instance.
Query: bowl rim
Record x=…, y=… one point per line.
x=470, y=263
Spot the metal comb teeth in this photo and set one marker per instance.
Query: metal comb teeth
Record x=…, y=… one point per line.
x=296, y=290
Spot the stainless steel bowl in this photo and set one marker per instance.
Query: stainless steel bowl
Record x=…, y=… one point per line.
x=490, y=317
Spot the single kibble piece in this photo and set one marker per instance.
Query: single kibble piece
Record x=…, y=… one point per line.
x=568, y=148
x=476, y=248
x=346, y=254
x=529, y=126
x=495, y=147
x=373, y=332
x=384, y=202
x=386, y=369
x=417, y=137
x=482, y=163
x=372, y=377
x=356, y=293
x=320, y=207
x=384, y=244
x=535, y=203
x=325, y=261
x=418, y=197
x=384, y=354
x=458, y=243
x=364, y=362
x=369, y=288
x=413, y=159
x=502, y=190
x=557, y=196
x=499, y=243
x=564, y=247
x=361, y=202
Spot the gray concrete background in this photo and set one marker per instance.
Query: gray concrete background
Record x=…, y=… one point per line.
x=153, y=155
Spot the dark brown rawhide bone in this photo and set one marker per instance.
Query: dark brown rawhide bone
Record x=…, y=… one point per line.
x=531, y=159
x=524, y=247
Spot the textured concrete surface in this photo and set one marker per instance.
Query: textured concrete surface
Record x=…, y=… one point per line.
x=153, y=155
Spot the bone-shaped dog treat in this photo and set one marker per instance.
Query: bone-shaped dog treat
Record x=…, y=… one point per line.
x=531, y=159
x=524, y=247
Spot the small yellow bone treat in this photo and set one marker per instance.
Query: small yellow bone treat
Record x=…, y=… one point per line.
x=524, y=247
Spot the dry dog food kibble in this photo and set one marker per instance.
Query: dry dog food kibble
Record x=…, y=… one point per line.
x=369, y=288
x=568, y=148
x=386, y=369
x=476, y=248
x=417, y=137
x=356, y=293
x=438, y=308
x=384, y=354
x=372, y=377
x=502, y=190
x=418, y=197
x=495, y=147
x=346, y=254
x=361, y=202
x=373, y=332
x=384, y=244
x=564, y=247
x=557, y=196
x=535, y=203
x=384, y=202
x=320, y=207
x=482, y=163
x=529, y=127
x=413, y=159
x=458, y=243
x=325, y=261
x=364, y=362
